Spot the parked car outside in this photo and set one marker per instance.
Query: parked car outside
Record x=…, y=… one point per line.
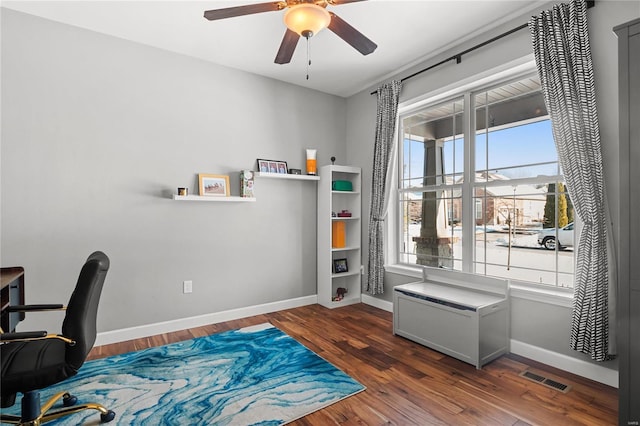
x=547, y=237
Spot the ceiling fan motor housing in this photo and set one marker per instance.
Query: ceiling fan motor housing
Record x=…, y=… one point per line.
x=306, y=19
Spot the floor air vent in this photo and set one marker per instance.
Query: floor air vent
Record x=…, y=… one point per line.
x=545, y=381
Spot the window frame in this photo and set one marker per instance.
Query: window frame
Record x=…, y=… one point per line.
x=552, y=294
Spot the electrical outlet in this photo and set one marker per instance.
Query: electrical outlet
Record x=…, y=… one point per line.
x=187, y=286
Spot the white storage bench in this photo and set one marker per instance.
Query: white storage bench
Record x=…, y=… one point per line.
x=459, y=314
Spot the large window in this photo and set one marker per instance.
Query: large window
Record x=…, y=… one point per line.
x=491, y=200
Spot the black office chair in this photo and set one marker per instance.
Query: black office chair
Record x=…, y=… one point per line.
x=32, y=361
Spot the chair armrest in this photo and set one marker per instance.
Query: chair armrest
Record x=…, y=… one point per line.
x=33, y=308
x=22, y=335
x=33, y=335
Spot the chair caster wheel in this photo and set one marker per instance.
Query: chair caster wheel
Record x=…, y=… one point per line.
x=68, y=400
x=108, y=416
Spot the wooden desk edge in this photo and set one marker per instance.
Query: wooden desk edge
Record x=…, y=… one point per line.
x=7, y=275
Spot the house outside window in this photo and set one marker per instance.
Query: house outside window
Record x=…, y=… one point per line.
x=483, y=201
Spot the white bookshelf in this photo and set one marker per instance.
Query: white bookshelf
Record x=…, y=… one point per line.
x=330, y=201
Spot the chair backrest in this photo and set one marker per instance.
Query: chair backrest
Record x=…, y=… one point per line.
x=80, y=320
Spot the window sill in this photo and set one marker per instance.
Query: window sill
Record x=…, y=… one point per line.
x=519, y=289
x=551, y=296
x=408, y=271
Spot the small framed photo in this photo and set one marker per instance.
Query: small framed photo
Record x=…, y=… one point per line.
x=214, y=185
x=263, y=166
x=339, y=266
x=282, y=167
x=272, y=166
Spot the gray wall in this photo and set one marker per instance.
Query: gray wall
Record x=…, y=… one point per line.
x=97, y=133
x=532, y=322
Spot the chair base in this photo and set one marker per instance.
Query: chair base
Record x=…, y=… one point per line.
x=33, y=415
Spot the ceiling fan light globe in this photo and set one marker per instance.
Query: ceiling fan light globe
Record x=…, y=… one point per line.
x=306, y=17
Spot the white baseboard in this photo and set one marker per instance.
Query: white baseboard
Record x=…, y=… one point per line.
x=377, y=303
x=138, y=332
x=566, y=363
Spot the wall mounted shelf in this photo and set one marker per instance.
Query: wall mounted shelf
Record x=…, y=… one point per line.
x=233, y=199
x=287, y=176
x=236, y=199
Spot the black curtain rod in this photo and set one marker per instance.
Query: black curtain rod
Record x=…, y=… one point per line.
x=458, y=56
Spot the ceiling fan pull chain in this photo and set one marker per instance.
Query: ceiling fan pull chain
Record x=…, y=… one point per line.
x=308, y=56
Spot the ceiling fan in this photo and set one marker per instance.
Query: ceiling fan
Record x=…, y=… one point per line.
x=303, y=18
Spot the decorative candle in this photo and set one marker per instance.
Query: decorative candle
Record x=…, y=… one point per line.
x=311, y=162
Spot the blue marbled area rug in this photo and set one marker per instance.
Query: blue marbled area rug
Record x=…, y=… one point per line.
x=251, y=376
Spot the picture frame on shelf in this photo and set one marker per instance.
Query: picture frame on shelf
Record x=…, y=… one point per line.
x=282, y=168
x=272, y=166
x=340, y=266
x=263, y=165
x=211, y=185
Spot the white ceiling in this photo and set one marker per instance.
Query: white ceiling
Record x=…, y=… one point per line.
x=406, y=33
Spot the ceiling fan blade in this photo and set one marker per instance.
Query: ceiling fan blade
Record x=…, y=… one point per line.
x=352, y=36
x=249, y=9
x=339, y=2
x=287, y=47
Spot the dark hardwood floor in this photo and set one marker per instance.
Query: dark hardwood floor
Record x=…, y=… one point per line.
x=408, y=384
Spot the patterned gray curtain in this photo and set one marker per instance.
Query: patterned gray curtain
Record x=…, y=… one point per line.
x=563, y=57
x=388, y=97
